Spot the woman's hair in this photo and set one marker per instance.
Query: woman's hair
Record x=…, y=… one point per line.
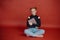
x=33, y=8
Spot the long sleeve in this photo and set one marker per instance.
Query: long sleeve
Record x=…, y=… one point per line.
x=28, y=23
x=39, y=22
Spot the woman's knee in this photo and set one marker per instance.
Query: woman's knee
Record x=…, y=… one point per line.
x=26, y=31
x=43, y=31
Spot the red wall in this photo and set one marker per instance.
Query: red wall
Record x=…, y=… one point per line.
x=15, y=12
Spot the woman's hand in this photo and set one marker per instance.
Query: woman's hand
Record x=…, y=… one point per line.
x=30, y=23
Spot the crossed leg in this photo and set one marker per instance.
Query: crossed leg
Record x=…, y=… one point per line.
x=38, y=33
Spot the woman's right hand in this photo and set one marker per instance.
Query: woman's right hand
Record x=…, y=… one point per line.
x=30, y=23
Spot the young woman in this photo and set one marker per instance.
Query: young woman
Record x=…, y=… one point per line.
x=33, y=28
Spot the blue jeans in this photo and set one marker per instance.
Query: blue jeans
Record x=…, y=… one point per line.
x=34, y=31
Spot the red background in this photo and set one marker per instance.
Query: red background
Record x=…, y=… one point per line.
x=15, y=12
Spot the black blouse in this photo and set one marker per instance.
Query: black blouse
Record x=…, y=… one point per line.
x=34, y=25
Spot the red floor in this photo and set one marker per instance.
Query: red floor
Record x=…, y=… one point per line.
x=17, y=34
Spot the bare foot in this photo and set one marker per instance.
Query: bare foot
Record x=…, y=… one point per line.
x=38, y=36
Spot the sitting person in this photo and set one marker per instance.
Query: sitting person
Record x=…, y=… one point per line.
x=33, y=23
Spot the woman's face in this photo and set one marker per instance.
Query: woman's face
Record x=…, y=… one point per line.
x=33, y=11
